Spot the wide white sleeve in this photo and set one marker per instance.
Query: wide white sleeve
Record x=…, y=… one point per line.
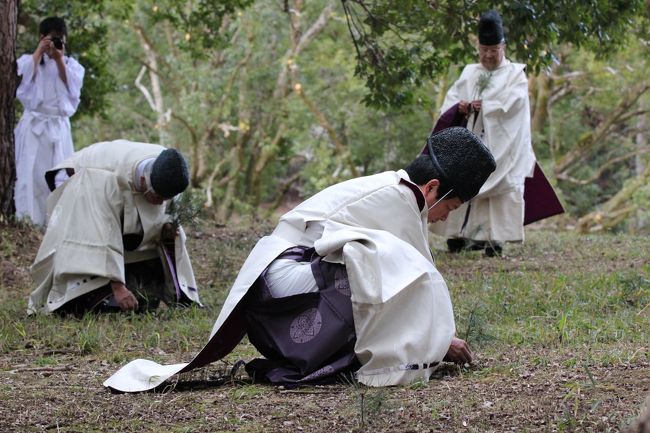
x=511, y=99
x=69, y=95
x=26, y=92
x=85, y=226
x=457, y=92
x=391, y=209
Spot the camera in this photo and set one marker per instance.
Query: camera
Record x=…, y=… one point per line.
x=58, y=42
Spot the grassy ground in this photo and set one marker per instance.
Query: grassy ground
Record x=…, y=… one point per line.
x=560, y=327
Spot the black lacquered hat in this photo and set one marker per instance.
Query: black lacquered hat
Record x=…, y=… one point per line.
x=169, y=175
x=490, y=28
x=462, y=159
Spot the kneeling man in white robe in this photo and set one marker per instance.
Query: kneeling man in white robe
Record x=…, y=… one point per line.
x=346, y=283
x=109, y=244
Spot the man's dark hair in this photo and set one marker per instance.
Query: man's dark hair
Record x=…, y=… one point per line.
x=53, y=24
x=421, y=170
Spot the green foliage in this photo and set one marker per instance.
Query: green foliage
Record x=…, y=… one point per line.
x=476, y=330
x=593, y=88
x=226, y=74
x=246, y=392
x=483, y=83
x=198, y=22
x=371, y=402
x=185, y=209
x=401, y=44
x=195, y=90
x=46, y=360
x=88, y=340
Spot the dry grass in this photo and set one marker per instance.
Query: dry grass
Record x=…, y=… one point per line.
x=557, y=325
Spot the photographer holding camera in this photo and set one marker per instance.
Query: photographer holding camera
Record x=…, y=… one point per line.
x=49, y=91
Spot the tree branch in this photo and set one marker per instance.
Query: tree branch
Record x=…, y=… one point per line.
x=143, y=89
x=602, y=168
x=614, y=210
x=593, y=140
x=313, y=31
x=341, y=150
x=282, y=191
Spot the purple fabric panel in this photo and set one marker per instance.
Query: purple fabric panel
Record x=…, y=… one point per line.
x=540, y=198
x=223, y=342
x=277, y=372
x=172, y=270
x=416, y=191
x=303, y=337
x=449, y=118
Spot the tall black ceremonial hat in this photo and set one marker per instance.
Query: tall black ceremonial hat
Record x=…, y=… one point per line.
x=169, y=175
x=462, y=159
x=490, y=28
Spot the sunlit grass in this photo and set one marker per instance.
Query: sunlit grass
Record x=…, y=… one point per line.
x=563, y=301
x=495, y=304
x=538, y=308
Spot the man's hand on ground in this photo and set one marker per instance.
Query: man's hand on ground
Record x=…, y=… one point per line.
x=459, y=352
x=123, y=296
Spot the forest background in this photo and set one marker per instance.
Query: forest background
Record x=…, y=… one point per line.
x=272, y=101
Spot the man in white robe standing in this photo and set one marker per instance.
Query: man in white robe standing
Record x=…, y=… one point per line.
x=49, y=92
x=109, y=245
x=346, y=282
x=494, y=96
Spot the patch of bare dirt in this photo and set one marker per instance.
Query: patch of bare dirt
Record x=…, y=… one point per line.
x=220, y=270
x=548, y=252
x=534, y=389
x=510, y=393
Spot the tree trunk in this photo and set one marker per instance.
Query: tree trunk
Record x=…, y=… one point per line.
x=639, y=162
x=590, y=142
x=341, y=150
x=443, y=88
x=155, y=98
x=271, y=128
x=616, y=209
x=542, y=90
x=8, y=18
x=235, y=157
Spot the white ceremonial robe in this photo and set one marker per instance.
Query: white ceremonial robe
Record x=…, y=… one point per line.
x=497, y=212
x=402, y=310
x=82, y=248
x=43, y=135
